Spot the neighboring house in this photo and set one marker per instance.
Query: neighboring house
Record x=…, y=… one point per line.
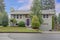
x=24, y=16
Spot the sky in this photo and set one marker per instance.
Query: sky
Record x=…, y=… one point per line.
x=25, y=5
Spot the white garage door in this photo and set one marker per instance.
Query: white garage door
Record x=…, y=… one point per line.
x=45, y=27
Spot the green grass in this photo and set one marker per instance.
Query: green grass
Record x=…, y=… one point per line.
x=16, y=29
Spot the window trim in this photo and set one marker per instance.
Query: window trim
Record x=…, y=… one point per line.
x=45, y=15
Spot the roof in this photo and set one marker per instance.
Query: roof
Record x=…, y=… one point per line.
x=28, y=12
x=20, y=12
x=48, y=12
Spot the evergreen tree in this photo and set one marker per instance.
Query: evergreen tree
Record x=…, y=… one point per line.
x=35, y=22
x=36, y=9
x=53, y=24
x=1, y=16
x=48, y=4
x=4, y=17
x=2, y=9
x=54, y=21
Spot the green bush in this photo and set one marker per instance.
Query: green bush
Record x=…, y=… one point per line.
x=14, y=21
x=21, y=24
x=5, y=19
x=5, y=22
x=35, y=22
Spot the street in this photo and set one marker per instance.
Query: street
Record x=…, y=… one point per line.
x=29, y=36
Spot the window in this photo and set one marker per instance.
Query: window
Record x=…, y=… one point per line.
x=13, y=16
x=45, y=16
x=20, y=16
x=17, y=16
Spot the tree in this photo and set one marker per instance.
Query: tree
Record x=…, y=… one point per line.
x=36, y=9
x=14, y=21
x=48, y=4
x=59, y=18
x=2, y=9
x=35, y=22
x=1, y=16
x=54, y=21
x=5, y=20
x=12, y=9
x=4, y=16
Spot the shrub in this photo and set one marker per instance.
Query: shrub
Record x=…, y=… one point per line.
x=35, y=22
x=21, y=24
x=14, y=21
x=5, y=24
x=5, y=21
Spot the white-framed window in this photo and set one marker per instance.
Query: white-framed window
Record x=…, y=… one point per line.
x=45, y=16
x=13, y=16
x=21, y=16
x=17, y=16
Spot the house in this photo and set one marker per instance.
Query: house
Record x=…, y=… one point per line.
x=48, y=10
x=21, y=15
x=47, y=19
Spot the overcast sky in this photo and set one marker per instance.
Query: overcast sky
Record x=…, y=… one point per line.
x=25, y=5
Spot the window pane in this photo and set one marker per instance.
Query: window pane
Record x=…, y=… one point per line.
x=17, y=16
x=43, y=16
x=20, y=16
x=47, y=16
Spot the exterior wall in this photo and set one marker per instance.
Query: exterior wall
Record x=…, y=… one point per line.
x=19, y=19
x=47, y=23
x=24, y=17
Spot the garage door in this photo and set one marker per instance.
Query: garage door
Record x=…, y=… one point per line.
x=45, y=27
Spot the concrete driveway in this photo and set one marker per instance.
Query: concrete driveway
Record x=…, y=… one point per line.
x=29, y=36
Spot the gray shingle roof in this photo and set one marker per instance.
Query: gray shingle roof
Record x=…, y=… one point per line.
x=28, y=12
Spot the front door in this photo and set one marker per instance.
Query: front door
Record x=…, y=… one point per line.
x=28, y=22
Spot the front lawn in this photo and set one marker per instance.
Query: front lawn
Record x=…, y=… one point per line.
x=17, y=29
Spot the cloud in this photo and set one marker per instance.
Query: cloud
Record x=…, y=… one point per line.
x=27, y=6
x=25, y=0
x=20, y=1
